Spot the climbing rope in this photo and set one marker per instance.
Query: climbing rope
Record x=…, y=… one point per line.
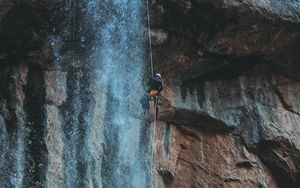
x=155, y=99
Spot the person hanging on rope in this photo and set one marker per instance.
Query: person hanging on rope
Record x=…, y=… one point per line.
x=155, y=85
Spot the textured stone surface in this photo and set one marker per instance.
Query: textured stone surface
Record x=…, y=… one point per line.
x=267, y=126
x=236, y=63
x=229, y=114
x=52, y=104
x=189, y=157
x=286, y=10
x=54, y=137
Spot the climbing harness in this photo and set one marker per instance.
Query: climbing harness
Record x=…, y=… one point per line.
x=155, y=100
x=153, y=93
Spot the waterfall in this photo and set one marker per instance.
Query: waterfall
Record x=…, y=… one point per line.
x=121, y=63
x=80, y=123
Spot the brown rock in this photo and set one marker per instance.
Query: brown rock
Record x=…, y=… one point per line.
x=246, y=77
x=189, y=157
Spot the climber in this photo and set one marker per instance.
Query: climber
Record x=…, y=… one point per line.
x=155, y=85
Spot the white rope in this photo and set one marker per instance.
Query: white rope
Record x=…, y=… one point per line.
x=155, y=101
x=154, y=143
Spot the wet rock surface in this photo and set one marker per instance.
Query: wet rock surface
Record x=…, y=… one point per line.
x=48, y=113
x=57, y=112
x=229, y=114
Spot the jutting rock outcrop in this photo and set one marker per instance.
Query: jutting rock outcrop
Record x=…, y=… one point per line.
x=230, y=109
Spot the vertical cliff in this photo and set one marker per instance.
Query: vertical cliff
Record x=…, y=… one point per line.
x=228, y=115
x=67, y=118
x=230, y=109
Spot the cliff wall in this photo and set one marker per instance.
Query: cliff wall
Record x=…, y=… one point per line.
x=230, y=108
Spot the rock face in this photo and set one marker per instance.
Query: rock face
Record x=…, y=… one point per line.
x=228, y=117
x=232, y=81
x=57, y=106
x=189, y=157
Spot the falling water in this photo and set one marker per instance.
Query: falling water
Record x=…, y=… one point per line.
x=121, y=62
x=95, y=135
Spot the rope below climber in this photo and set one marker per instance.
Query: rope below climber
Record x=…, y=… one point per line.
x=155, y=87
